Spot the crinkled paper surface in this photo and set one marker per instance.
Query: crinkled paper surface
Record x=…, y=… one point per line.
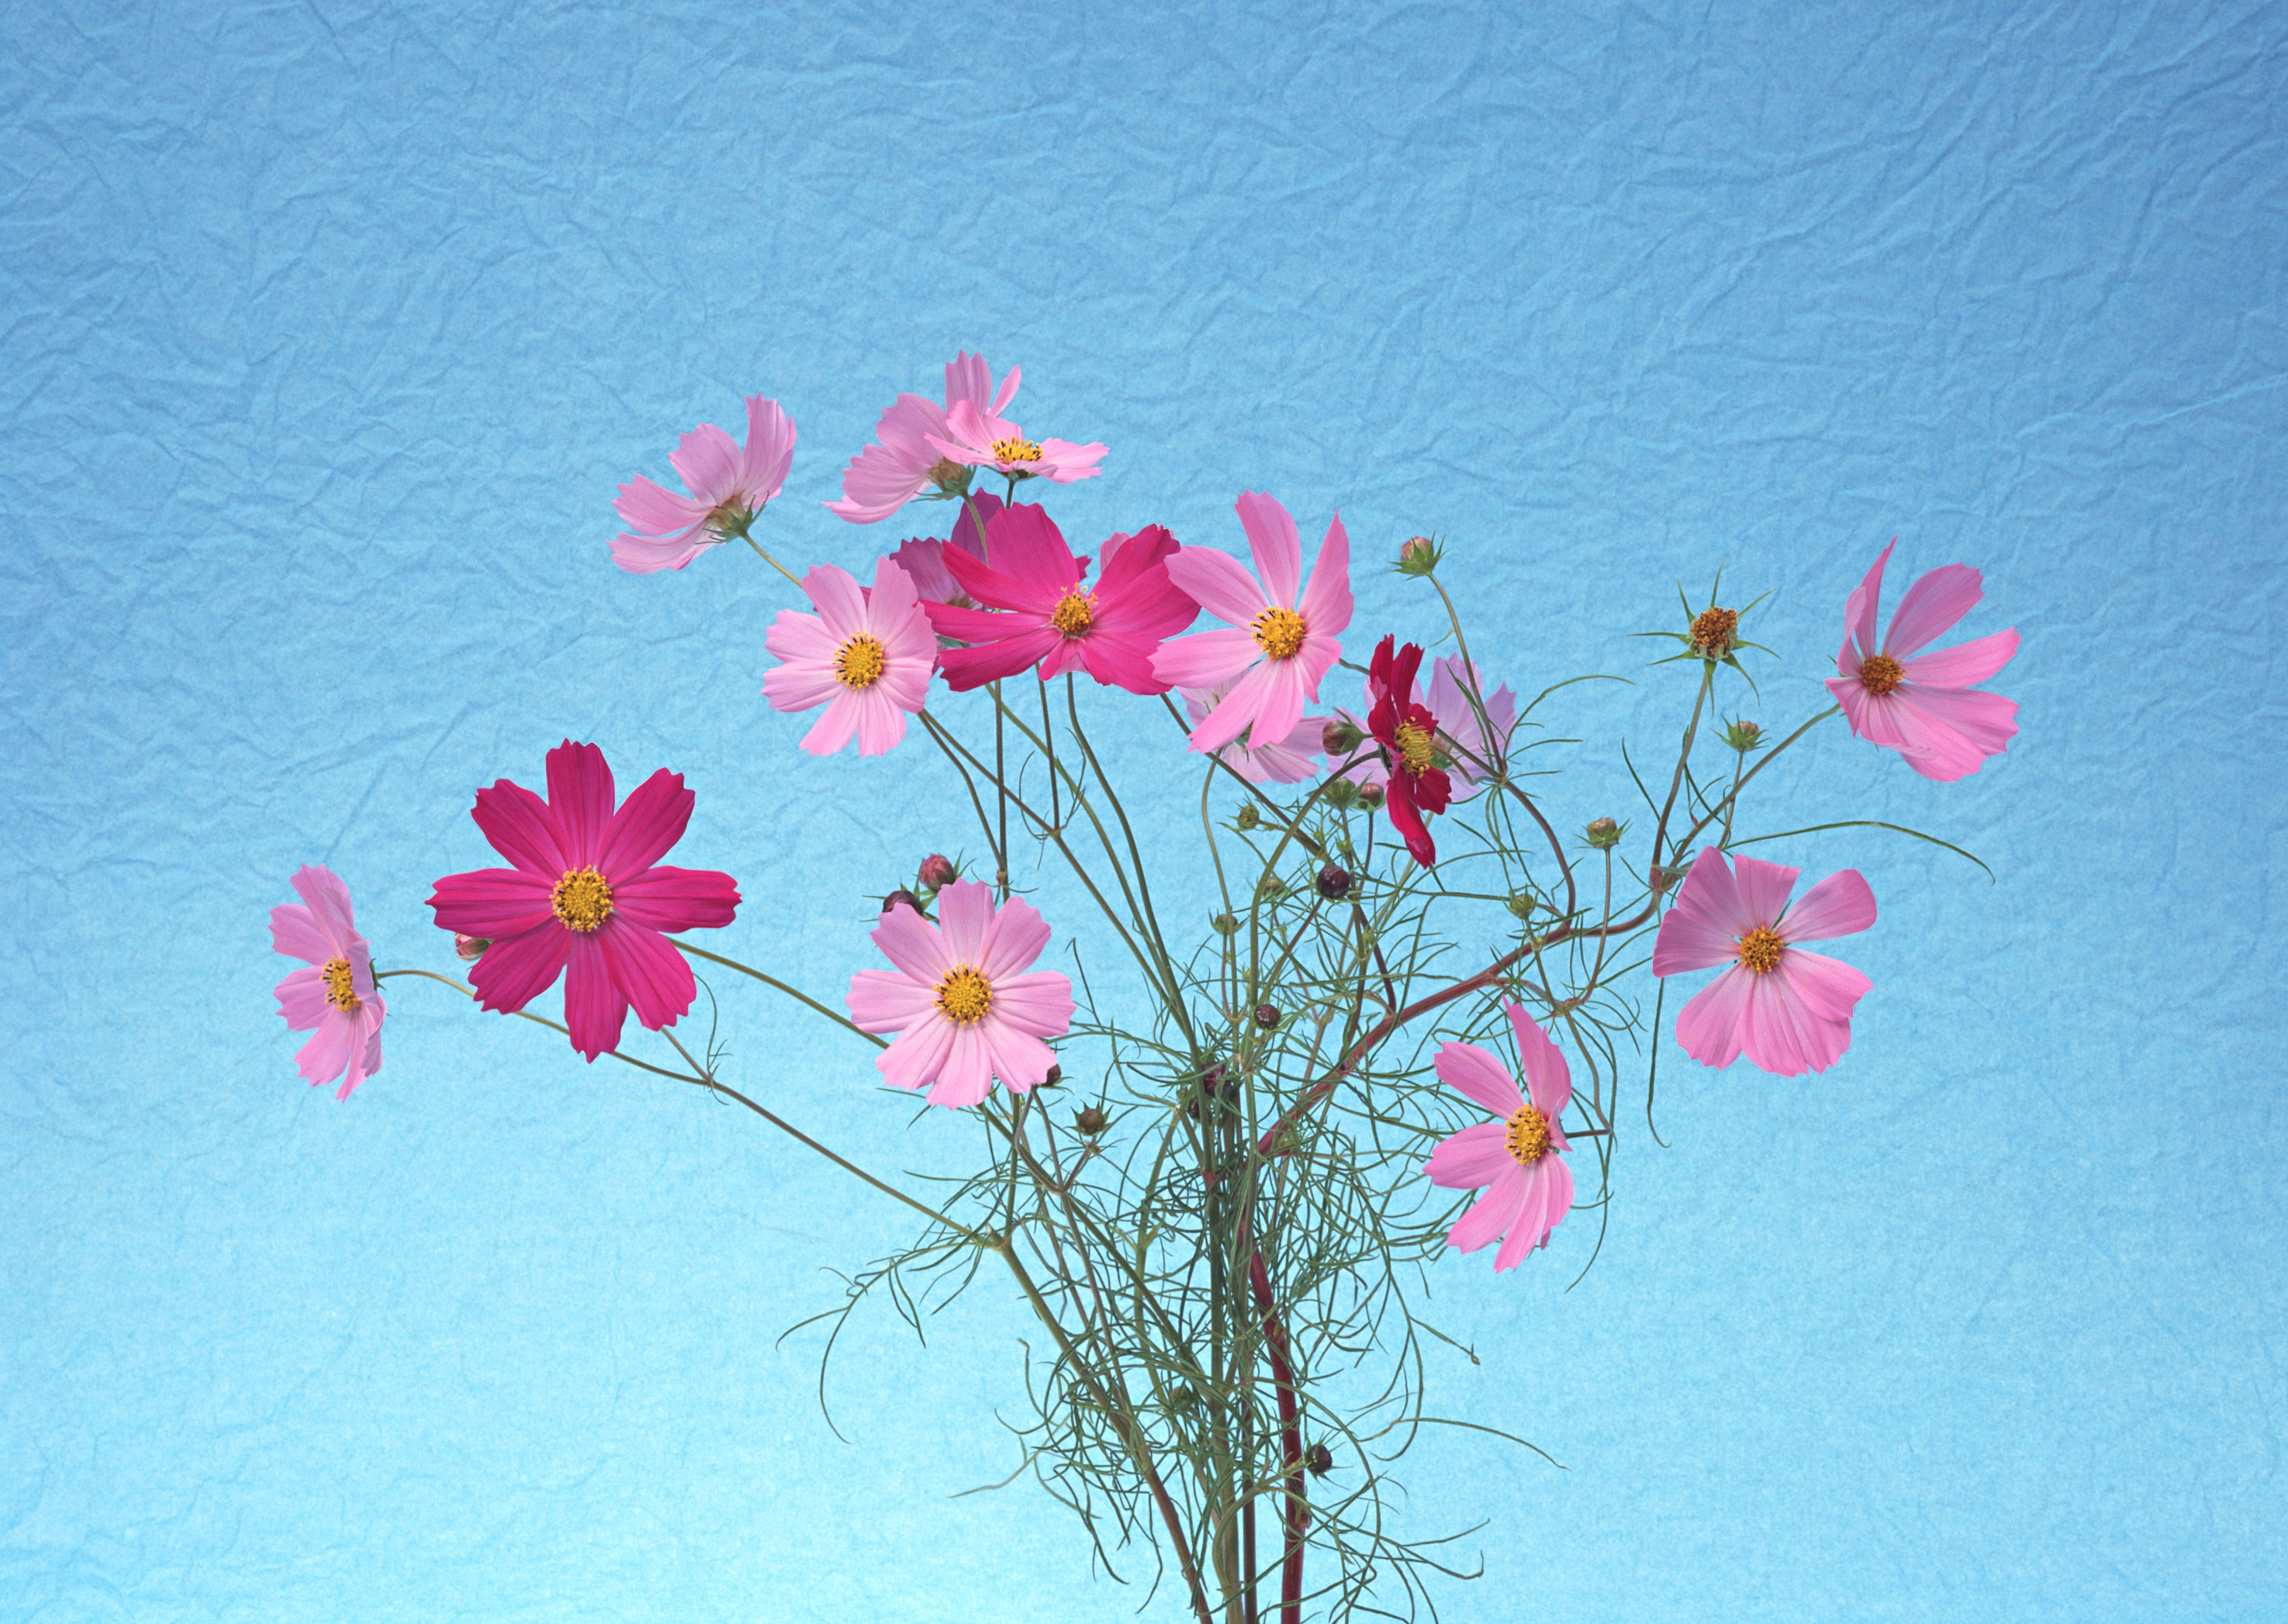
x=326, y=335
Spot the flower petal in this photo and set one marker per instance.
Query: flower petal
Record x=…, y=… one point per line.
x=919, y=1053
x=1218, y=583
x=521, y=828
x=649, y=974
x=1477, y=1076
x=1326, y=603
x=1710, y=1027
x=516, y=970
x=649, y=821
x=1965, y=663
x=1547, y=1077
x=1860, y=609
x=1272, y=539
x=595, y=1007
x=882, y=1000
x=1763, y=889
x=965, y=912
x=492, y=902
x=1492, y=1212
x=580, y=795
x=1840, y=905
x=1471, y=1159
x=1931, y=607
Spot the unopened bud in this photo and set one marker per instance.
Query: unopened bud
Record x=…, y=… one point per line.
x=1744, y=736
x=1371, y=796
x=1418, y=555
x=1318, y=1459
x=1225, y=925
x=1522, y=905
x=1340, y=792
x=470, y=946
x=937, y=872
x=1266, y=1016
x=1339, y=738
x=1270, y=887
x=1054, y=1078
x=901, y=895
x=1214, y=1083
x=1334, y=882
x=1248, y=816
x=1603, y=834
x=950, y=477
x=1091, y=1120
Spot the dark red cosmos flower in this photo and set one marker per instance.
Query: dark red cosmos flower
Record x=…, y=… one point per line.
x=586, y=891
x=1407, y=734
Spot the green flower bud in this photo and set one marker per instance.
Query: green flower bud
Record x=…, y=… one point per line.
x=1603, y=834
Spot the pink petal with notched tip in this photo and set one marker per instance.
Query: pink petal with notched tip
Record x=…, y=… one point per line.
x=883, y=1001
x=1957, y=729
x=1871, y=717
x=1205, y=659
x=643, y=555
x=322, y=892
x=669, y=899
x=1840, y=905
x=964, y=910
x=1119, y=661
x=800, y=685
x=1548, y=1079
x=1040, y=1003
x=1019, y=1058
x=1218, y=583
x=521, y=828
x=1828, y=987
x=365, y=1048
x=1763, y=889
x=1931, y=607
x=1860, y=608
x=919, y=1054
x=996, y=652
x=881, y=724
x=650, y=974
x=296, y=932
x=1782, y=1034
x=924, y=562
x=302, y=998
x=1064, y=462
x=1965, y=663
x=657, y=511
x=1531, y=1223
x=1478, y=1077
x=1326, y=606
x=834, y=593
x=769, y=452
x=516, y=970
x=709, y=461
x=1287, y=686
x=651, y=820
x=594, y=1009
x=492, y=902
x=965, y=1075
x=1276, y=546
x=835, y=728
x=580, y=796
x=1012, y=939
x=1240, y=709
x=1471, y=1159
x=324, y=1057
x=1492, y=1212
x=1705, y=924
x=1709, y=1026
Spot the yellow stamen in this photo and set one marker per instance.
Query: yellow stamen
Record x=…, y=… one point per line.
x=339, y=991
x=1413, y=747
x=858, y=663
x=1279, y=633
x=1015, y=450
x=1712, y=630
x=1075, y=613
x=965, y=994
x=1528, y=1137
x=1880, y=674
x=581, y=899
x=1760, y=950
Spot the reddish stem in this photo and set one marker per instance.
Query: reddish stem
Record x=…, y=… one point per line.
x=1290, y=1441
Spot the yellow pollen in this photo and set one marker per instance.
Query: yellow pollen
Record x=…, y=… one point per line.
x=1413, y=747
x=1712, y=630
x=1880, y=674
x=1528, y=1136
x=1279, y=633
x=964, y=995
x=858, y=663
x=582, y=899
x=1075, y=613
x=1760, y=950
x=338, y=990
x=1015, y=450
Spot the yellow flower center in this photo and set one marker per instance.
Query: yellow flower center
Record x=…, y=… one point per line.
x=1075, y=613
x=1881, y=674
x=339, y=991
x=1279, y=633
x=1413, y=747
x=1760, y=950
x=1015, y=450
x=1712, y=630
x=582, y=899
x=964, y=995
x=858, y=663
x=1528, y=1137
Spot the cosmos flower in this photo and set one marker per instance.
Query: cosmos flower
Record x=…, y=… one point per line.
x=1279, y=638
x=1788, y=1010
x=728, y=488
x=1518, y=1160
x=334, y=999
x=1282, y=761
x=1463, y=751
x=976, y=435
x=1407, y=734
x=1921, y=705
x=924, y=559
x=587, y=893
x=963, y=1008
x=866, y=656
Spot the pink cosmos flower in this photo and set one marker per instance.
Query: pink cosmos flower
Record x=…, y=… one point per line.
x=908, y=450
x=963, y=1011
x=728, y=488
x=1038, y=611
x=976, y=434
x=1516, y=1162
x=335, y=996
x=1923, y=706
x=1284, y=761
x=924, y=559
x=1788, y=1010
x=866, y=656
x=1457, y=724
x=1275, y=645
x=586, y=891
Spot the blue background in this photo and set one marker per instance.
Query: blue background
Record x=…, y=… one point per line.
x=326, y=334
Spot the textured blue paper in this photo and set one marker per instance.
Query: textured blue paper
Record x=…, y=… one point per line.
x=328, y=332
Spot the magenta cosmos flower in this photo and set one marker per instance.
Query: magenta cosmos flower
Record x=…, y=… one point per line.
x=866, y=656
x=1282, y=761
x=1923, y=706
x=1417, y=786
x=1461, y=736
x=587, y=892
x=1037, y=613
x=924, y=559
x=963, y=1009
x=1788, y=1010
x=334, y=999
x=1279, y=638
x=1516, y=1160
x=728, y=488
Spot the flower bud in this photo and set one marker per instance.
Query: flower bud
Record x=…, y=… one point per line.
x=937, y=872
x=1714, y=632
x=1056, y=1079
x=1334, y=882
x=1270, y=887
x=1418, y=555
x=1371, y=796
x=1318, y=1459
x=1603, y=834
x=1091, y=1120
x=1225, y=925
x=1340, y=737
x=1248, y=816
x=950, y=477
x=1340, y=793
x=1266, y=1016
x=1522, y=904
x=1214, y=1083
x=470, y=946
x=901, y=895
x=1744, y=736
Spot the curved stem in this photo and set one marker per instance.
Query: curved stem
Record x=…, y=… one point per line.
x=799, y=996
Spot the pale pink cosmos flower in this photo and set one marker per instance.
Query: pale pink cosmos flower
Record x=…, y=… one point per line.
x=1788, y=1010
x=1923, y=706
x=728, y=488
x=1279, y=638
x=978, y=436
x=1284, y=761
x=1518, y=1160
x=908, y=453
x=960, y=1002
x=334, y=999
x=1448, y=704
x=865, y=655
